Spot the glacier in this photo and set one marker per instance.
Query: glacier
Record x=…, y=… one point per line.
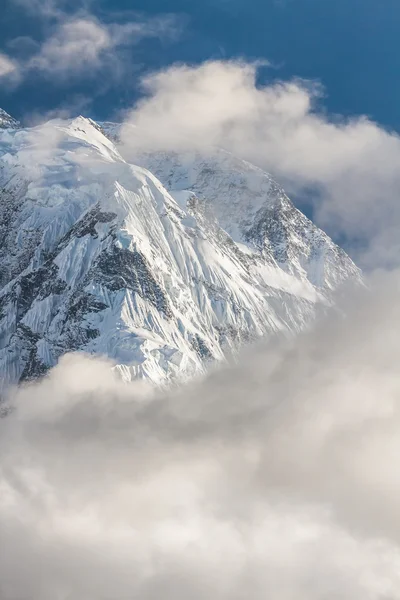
x=165, y=266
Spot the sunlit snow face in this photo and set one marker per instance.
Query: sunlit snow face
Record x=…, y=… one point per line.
x=338, y=166
x=274, y=479
x=144, y=276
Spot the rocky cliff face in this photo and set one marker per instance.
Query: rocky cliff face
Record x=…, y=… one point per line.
x=163, y=267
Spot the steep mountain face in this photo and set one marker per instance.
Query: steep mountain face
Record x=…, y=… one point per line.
x=97, y=256
x=255, y=211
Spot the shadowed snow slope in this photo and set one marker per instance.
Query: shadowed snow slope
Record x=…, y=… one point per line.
x=97, y=256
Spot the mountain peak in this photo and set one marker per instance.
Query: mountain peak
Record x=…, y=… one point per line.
x=105, y=257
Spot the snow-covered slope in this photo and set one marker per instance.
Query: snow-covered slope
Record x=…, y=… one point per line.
x=7, y=122
x=96, y=255
x=255, y=211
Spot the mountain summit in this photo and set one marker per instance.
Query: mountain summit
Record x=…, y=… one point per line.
x=163, y=267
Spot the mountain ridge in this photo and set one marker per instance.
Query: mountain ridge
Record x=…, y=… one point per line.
x=98, y=256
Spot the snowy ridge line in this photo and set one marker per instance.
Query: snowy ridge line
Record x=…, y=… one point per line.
x=163, y=267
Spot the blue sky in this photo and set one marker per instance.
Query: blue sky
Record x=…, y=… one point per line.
x=350, y=46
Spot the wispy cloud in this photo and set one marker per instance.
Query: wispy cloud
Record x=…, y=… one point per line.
x=84, y=43
x=7, y=66
x=78, y=44
x=75, y=46
x=77, y=104
x=352, y=166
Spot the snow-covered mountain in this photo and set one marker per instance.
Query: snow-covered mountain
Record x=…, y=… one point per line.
x=162, y=271
x=257, y=214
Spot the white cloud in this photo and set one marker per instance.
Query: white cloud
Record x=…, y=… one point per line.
x=7, y=66
x=353, y=165
x=80, y=44
x=77, y=45
x=132, y=32
x=274, y=479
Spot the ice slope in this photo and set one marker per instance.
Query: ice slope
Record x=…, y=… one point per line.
x=97, y=256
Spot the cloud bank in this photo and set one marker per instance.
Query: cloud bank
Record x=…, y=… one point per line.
x=349, y=169
x=274, y=479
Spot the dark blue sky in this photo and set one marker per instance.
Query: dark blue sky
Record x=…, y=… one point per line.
x=351, y=46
